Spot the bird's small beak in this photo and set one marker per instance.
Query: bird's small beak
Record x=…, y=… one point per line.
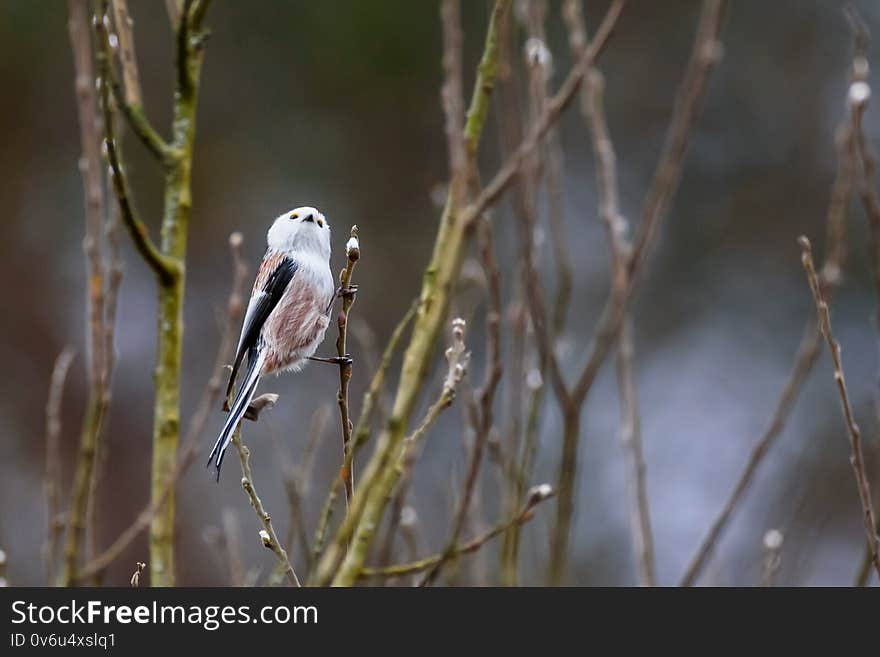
x=310, y=218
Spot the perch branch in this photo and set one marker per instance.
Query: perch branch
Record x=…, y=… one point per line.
x=348, y=294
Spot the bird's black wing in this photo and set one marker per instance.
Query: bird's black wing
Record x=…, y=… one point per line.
x=277, y=272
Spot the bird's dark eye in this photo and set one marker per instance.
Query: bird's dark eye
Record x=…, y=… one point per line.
x=294, y=215
x=321, y=223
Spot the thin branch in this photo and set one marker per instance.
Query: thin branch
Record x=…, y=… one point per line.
x=348, y=294
x=807, y=353
x=537, y=495
x=855, y=438
x=268, y=536
x=552, y=111
x=617, y=229
x=52, y=476
x=128, y=96
x=859, y=94
x=704, y=55
x=165, y=268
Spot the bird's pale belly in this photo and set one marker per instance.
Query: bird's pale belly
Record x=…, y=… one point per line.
x=293, y=332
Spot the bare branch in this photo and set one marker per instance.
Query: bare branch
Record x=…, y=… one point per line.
x=855, y=438
x=807, y=353
x=267, y=535
x=165, y=268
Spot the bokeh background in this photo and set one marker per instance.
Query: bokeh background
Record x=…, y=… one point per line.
x=336, y=104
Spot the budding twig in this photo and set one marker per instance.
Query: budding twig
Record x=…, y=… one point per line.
x=348, y=294
x=855, y=436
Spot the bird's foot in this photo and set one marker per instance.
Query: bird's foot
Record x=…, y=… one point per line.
x=334, y=360
x=347, y=292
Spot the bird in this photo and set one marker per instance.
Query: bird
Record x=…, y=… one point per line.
x=287, y=314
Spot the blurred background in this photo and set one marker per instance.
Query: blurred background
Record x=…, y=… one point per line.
x=336, y=104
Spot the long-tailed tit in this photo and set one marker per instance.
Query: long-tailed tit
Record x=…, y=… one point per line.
x=288, y=312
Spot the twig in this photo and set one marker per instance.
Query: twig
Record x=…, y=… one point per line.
x=807, y=353
x=267, y=535
x=704, y=55
x=165, y=268
x=855, y=437
x=52, y=476
x=631, y=440
x=537, y=495
x=128, y=94
x=348, y=294
x=552, y=111
x=859, y=94
x=617, y=229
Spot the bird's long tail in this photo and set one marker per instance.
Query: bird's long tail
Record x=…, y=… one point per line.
x=239, y=406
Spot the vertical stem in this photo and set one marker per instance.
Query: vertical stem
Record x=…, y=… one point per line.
x=565, y=503
x=90, y=166
x=175, y=222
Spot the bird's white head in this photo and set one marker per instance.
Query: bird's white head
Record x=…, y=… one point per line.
x=301, y=229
